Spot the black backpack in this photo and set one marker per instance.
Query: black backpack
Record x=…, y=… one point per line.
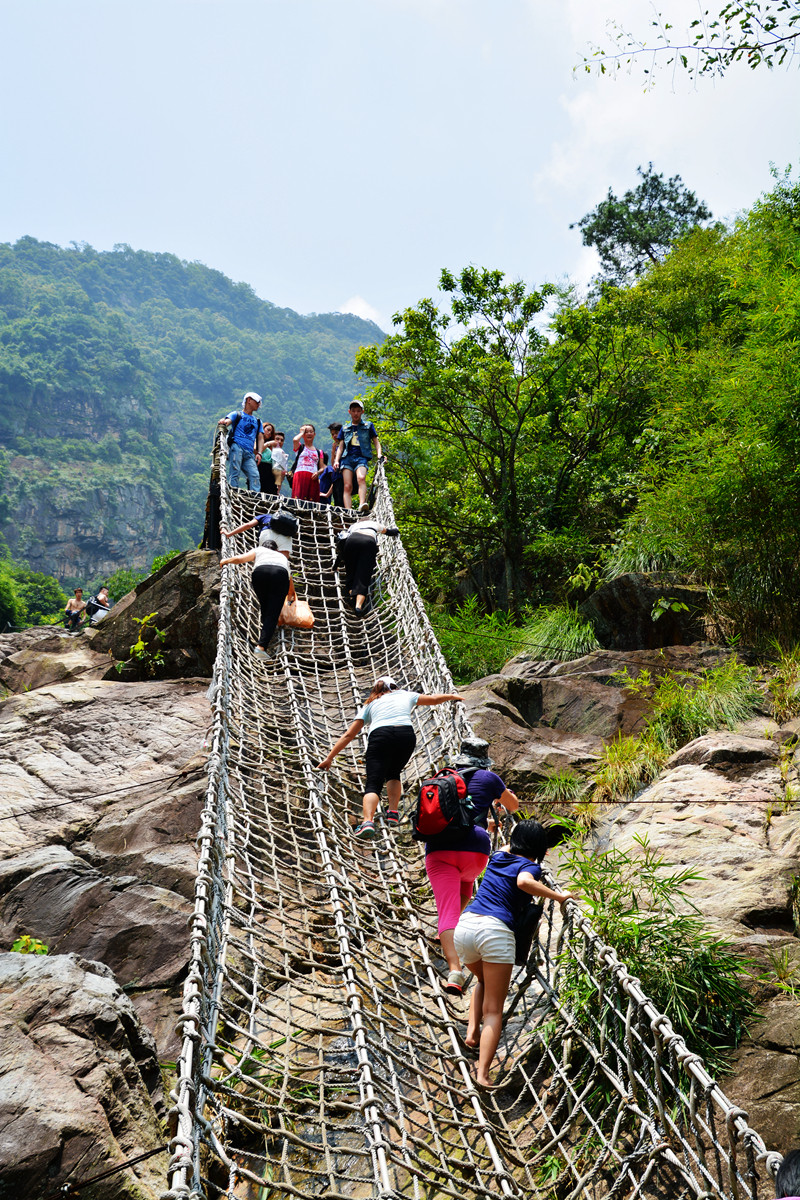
x=443, y=802
x=283, y=523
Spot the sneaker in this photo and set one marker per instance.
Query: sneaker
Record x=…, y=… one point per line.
x=365, y=832
x=455, y=983
x=259, y=653
x=392, y=817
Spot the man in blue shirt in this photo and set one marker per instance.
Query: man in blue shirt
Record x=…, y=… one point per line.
x=353, y=452
x=248, y=442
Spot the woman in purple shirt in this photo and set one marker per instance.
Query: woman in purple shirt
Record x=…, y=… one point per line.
x=484, y=937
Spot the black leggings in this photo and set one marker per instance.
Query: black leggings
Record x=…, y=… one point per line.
x=360, y=556
x=388, y=750
x=271, y=585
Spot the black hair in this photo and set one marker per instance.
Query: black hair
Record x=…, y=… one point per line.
x=269, y=544
x=787, y=1180
x=324, y=458
x=529, y=839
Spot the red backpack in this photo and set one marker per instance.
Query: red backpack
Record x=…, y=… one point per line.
x=443, y=803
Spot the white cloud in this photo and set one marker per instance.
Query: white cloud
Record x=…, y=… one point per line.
x=359, y=307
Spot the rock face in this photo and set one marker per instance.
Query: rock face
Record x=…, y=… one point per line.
x=541, y=717
x=102, y=785
x=184, y=594
x=621, y=612
x=79, y=1082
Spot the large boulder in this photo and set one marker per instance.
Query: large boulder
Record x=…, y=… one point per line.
x=540, y=717
x=36, y=657
x=80, y=1086
x=184, y=595
x=621, y=613
x=102, y=789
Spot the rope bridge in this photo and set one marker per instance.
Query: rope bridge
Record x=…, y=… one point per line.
x=320, y=1056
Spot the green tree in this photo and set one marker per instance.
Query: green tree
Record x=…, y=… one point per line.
x=636, y=231
x=499, y=438
x=756, y=32
x=41, y=596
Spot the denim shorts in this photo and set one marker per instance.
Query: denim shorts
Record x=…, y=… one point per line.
x=484, y=939
x=352, y=462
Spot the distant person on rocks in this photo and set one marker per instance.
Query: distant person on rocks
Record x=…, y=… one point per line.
x=787, y=1180
x=307, y=465
x=337, y=495
x=360, y=553
x=484, y=936
x=455, y=858
x=73, y=612
x=272, y=583
x=244, y=452
x=97, y=606
x=387, y=716
x=355, y=443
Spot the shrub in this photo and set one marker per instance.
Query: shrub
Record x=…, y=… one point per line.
x=784, y=687
x=558, y=632
x=640, y=907
x=476, y=643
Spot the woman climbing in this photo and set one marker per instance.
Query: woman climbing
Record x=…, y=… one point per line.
x=387, y=716
x=272, y=583
x=360, y=553
x=307, y=465
x=456, y=857
x=484, y=936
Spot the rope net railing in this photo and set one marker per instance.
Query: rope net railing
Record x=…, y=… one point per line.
x=320, y=1056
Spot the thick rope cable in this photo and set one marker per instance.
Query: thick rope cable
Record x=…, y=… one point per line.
x=320, y=1056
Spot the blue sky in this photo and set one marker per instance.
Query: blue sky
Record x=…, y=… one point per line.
x=336, y=154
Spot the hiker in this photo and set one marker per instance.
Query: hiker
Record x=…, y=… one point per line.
x=455, y=858
x=787, y=1179
x=73, y=611
x=360, y=553
x=327, y=478
x=387, y=716
x=307, y=465
x=272, y=583
x=266, y=467
x=354, y=444
x=280, y=460
x=484, y=936
x=337, y=495
x=245, y=442
x=278, y=527
x=97, y=606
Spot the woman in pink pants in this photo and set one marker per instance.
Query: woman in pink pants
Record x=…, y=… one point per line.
x=455, y=858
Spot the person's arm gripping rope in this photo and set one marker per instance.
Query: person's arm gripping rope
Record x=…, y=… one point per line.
x=343, y=741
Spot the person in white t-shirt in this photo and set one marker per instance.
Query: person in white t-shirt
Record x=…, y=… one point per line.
x=272, y=583
x=360, y=553
x=387, y=716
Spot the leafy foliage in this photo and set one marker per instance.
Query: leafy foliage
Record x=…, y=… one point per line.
x=632, y=233
x=145, y=656
x=756, y=32
x=29, y=945
x=640, y=906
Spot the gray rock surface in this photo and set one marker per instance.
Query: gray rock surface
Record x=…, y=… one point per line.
x=621, y=612
x=80, y=1086
x=101, y=787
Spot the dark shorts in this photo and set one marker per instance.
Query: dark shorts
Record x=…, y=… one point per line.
x=388, y=750
x=351, y=462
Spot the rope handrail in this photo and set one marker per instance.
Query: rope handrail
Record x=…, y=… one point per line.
x=320, y=1056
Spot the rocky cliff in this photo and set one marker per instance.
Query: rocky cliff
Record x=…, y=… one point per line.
x=102, y=785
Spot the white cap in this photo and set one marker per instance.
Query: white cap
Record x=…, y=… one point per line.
x=387, y=679
x=357, y=403
x=251, y=396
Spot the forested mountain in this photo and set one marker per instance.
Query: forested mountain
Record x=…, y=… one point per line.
x=114, y=368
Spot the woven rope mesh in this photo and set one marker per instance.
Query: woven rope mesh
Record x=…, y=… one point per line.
x=320, y=1056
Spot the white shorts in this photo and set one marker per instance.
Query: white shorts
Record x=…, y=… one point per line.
x=484, y=939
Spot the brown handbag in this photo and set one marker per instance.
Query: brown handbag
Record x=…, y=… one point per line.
x=296, y=614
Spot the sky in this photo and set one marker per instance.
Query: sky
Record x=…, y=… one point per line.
x=337, y=154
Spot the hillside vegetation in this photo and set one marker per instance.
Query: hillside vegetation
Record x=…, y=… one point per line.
x=114, y=368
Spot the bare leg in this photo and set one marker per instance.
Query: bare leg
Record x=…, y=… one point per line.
x=496, y=978
x=475, y=1018
x=371, y=802
x=347, y=487
x=394, y=792
x=360, y=600
x=361, y=473
x=447, y=942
